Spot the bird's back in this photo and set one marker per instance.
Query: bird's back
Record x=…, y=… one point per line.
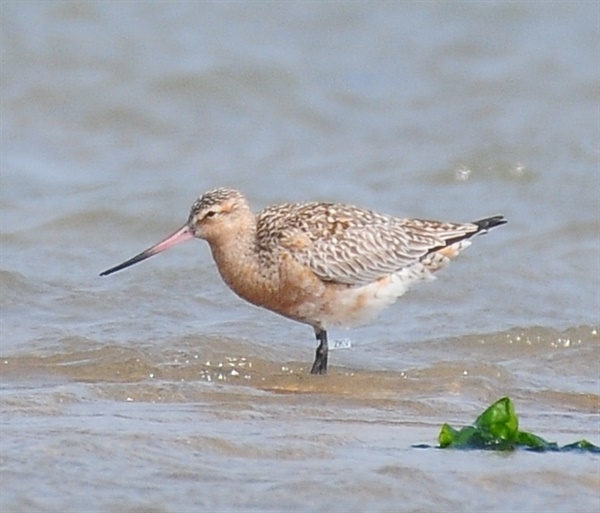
x=350, y=245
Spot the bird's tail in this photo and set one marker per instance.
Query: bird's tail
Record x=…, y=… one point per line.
x=438, y=257
x=485, y=225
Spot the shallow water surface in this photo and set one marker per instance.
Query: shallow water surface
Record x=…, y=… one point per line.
x=157, y=390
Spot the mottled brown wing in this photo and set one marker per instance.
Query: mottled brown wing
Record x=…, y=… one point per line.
x=345, y=244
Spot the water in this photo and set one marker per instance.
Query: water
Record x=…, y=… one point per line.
x=157, y=390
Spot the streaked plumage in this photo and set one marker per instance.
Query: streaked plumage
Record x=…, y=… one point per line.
x=322, y=264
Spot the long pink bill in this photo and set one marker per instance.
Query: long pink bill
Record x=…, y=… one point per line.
x=181, y=235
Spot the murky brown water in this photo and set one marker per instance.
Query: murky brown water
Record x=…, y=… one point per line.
x=157, y=390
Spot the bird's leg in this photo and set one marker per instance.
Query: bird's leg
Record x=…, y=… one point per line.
x=320, y=365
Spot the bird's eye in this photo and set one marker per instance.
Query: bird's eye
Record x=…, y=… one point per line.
x=210, y=213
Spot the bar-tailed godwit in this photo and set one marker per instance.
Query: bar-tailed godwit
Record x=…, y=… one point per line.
x=322, y=264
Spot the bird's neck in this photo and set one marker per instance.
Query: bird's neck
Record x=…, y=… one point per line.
x=237, y=257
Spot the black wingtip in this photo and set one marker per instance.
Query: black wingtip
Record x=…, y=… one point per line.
x=489, y=222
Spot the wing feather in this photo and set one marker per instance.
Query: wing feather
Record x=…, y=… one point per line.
x=346, y=244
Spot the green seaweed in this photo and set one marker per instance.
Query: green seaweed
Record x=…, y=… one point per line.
x=497, y=428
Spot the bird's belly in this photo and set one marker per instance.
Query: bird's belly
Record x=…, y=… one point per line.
x=298, y=294
x=360, y=305
x=331, y=304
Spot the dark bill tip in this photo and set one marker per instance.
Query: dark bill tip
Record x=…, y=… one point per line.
x=134, y=260
x=179, y=236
